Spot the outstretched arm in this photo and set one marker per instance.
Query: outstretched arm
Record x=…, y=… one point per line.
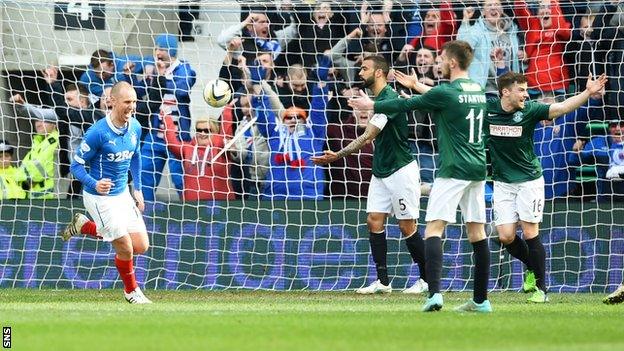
x=431, y=101
x=594, y=86
x=411, y=81
x=369, y=134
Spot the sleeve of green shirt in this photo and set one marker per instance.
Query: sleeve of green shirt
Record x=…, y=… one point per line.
x=430, y=101
x=539, y=110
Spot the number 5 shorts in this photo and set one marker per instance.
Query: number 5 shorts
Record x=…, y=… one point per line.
x=114, y=215
x=397, y=194
x=518, y=201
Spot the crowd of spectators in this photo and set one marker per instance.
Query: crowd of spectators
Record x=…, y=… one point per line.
x=293, y=67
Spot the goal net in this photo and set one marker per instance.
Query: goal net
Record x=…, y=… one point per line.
x=261, y=215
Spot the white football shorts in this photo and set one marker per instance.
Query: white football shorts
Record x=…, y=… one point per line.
x=397, y=194
x=114, y=216
x=518, y=201
x=448, y=193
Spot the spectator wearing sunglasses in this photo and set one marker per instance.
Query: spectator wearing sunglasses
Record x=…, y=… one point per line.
x=203, y=179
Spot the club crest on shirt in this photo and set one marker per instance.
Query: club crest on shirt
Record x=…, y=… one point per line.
x=517, y=117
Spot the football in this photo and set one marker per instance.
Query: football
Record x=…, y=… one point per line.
x=217, y=93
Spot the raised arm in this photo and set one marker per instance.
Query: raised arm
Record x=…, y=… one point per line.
x=171, y=137
x=229, y=33
x=266, y=118
x=318, y=110
x=522, y=13
x=38, y=112
x=183, y=81
x=466, y=31
x=284, y=36
x=337, y=53
x=145, y=109
x=447, y=21
x=594, y=86
x=276, y=103
x=564, y=28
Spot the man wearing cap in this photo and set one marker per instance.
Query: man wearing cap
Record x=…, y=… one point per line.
x=37, y=168
x=10, y=176
x=176, y=100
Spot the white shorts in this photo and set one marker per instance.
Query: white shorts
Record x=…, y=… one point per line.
x=519, y=201
x=114, y=216
x=447, y=193
x=398, y=194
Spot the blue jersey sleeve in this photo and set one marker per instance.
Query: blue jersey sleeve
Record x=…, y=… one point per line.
x=89, y=147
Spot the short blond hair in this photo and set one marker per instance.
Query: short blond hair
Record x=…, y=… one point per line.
x=297, y=71
x=213, y=123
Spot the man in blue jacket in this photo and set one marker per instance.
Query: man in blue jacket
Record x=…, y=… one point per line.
x=176, y=101
x=106, y=69
x=294, y=135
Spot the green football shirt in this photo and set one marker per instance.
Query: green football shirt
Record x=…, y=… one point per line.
x=392, y=151
x=509, y=136
x=457, y=110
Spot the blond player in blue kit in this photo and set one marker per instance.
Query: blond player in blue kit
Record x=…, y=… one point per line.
x=110, y=149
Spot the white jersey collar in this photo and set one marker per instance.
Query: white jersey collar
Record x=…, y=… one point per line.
x=109, y=121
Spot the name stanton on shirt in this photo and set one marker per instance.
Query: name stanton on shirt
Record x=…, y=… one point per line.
x=472, y=99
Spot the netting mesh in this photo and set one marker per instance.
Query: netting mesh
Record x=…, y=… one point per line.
x=262, y=216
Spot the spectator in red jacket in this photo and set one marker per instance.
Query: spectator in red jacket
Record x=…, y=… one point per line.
x=203, y=180
x=547, y=33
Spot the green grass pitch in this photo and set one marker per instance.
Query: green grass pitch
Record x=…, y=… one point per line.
x=244, y=320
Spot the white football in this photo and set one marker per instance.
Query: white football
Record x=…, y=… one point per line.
x=217, y=93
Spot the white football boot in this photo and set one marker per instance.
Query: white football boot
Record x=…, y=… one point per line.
x=375, y=288
x=419, y=287
x=136, y=297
